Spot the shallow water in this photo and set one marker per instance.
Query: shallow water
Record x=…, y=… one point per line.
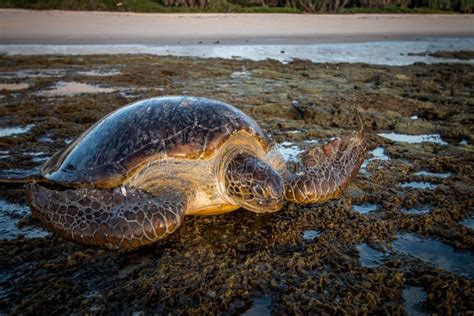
x=45, y=139
x=33, y=73
x=63, y=88
x=377, y=154
x=91, y=296
x=14, y=86
x=10, y=213
x=375, y=52
x=436, y=253
x=442, y=175
x=419, y=210
x=242, y=75
x=47, y=73
x=9, y=131
x=413, y=297
x=368, y=256
x=38, y=156
x=468, y=222
x=414, y=139
x=310, y=234
x=364, y=208
x=20, y=173
x=260, y=307
x=418, y=185
x=99, y=73
x=4, y=290
x=289, y=150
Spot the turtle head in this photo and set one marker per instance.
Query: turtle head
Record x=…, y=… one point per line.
x=253, y=184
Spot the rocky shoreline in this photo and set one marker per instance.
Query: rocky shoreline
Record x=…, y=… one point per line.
x=363, y=253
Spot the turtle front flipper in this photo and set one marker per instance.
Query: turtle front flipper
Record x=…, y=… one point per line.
x=115, y=218
x=324, y=172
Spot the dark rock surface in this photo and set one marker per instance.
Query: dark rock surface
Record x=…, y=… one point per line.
x=221, y=264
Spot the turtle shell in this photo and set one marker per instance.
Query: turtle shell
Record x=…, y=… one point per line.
x=179, y=127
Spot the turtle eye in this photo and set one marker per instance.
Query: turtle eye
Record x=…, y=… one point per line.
x=259, y=190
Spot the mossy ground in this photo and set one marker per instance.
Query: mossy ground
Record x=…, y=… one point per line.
x=218, y=264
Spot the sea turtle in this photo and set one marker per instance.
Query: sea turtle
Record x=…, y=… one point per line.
x=130, y=179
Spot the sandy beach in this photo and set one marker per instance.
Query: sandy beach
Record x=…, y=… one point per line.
x=69, y=27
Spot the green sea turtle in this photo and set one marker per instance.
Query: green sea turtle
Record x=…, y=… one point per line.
x=130, y=179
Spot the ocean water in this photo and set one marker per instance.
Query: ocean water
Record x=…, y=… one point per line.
x=394, y=53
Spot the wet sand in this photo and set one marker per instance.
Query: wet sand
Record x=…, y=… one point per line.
x=397, y=240
x=69, y=27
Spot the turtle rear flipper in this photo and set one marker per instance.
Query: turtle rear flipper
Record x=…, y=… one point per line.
x=116, y=218
x=324, y=172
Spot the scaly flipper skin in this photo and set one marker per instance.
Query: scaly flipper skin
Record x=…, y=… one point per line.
x=324, y=172
x=116, y=218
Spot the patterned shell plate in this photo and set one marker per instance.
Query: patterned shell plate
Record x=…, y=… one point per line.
x=177, y=126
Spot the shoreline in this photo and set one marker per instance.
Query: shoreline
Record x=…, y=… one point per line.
x=230, y=41
x=96, y=27
x=390, y=53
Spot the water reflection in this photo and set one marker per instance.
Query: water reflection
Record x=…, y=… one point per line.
x=364, y=208
x=310, y=234
x=468, y=222
x=414, y=139
x=10, y=213
x=436, y=253
x=413, y=297
x=377, y=154
x=100, y=72
x=8, y=131
x=289, y=150
x=14, y=86
x=418, y=210
x=442, y=175
x=418, y=185
x=368, y=256
x=63, y=88
x=260, y=307
x=33, y=73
